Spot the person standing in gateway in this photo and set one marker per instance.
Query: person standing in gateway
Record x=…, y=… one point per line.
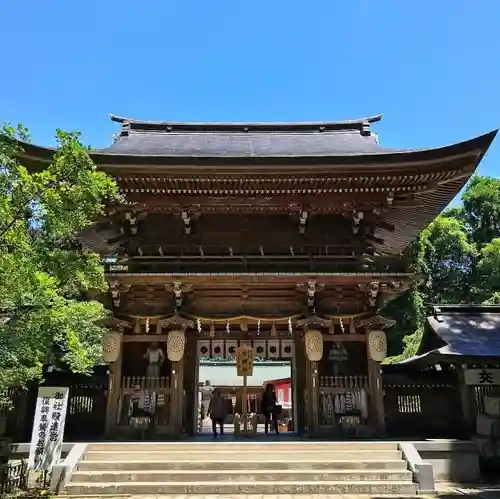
x=269, y=407
x=217, y=410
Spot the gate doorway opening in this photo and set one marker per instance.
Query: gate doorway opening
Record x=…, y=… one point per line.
x=273, y=364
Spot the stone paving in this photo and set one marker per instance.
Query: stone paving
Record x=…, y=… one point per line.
x=444, y=491
x=476, y=491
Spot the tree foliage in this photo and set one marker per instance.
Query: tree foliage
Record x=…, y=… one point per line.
x=458, y=262
x=45, y=273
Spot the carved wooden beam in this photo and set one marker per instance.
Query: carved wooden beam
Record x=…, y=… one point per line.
x=313, y=321
x=112, y=322
x=376, y=322
x=176, y=320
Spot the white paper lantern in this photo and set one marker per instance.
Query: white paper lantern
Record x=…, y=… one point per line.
x=111, y=346
x=176, y=342
x=313, y=340
x=377, y=345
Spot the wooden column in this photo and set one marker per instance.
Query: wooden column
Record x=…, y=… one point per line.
x=310, y=405
x=314, y=398
x=190, y=383
x=300, y=381
x=181, y=397
x=376, y=394
x=465, y=401
x=177, y=407
x=114, y=385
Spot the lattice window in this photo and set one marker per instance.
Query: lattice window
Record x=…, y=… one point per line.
x=409, y=404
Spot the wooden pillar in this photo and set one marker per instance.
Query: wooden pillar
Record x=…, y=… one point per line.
x=465, y=401
x=114, y=387
x=300, y=382
x=312, y=418
x=376, y=395
x=314, y=405
x=181, y=397
x=191, y=384
x=177, y=407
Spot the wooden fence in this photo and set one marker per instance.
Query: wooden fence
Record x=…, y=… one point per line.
x=86, y=416
x=417, y=405
x=422, y=404
x=14, y=480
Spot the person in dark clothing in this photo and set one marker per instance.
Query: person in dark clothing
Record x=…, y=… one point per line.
x=269, y=408
x=217, y=410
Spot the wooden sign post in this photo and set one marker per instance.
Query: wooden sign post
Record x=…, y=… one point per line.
x=244, y=367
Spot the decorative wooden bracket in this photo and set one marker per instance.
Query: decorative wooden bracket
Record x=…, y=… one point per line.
x=179, y=289
x=379, y=292
x=357, y=216
x=132, y=222
x=373, y=289
x=303, y=222
x=245, y=294
x=117, y=290
x=311, y=288
x=186, y=219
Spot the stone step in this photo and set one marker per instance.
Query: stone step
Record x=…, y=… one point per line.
x=204, y=488
x=203, y=476
x=412, y=495
x=264, y=446
x=217, y=454
x=262, y=464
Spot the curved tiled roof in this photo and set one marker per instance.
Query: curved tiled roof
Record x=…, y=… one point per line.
x=244, y=140
x=234, y=145
x=244, y=145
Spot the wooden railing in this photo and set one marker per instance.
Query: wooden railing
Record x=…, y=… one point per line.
x=342, y=384
x=343, y=402
x=131, y=384
x=159, y=387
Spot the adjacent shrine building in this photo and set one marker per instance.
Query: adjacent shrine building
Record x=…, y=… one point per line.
x=287, y=236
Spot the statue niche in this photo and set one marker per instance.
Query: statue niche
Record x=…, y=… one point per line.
x=155, y=360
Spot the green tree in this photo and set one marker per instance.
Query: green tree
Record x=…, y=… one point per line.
x=481, y=209
x=45, y=273
x=448, y=261
x=458, y=262
x=488, y=273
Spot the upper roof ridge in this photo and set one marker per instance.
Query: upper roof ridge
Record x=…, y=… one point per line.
x=361, y=124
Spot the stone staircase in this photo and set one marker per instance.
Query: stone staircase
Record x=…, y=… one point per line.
x=238, y=468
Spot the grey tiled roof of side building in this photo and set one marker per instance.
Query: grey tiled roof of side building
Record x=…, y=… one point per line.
x=474, y=333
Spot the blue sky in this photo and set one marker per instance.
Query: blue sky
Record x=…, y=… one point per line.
x=431, y=66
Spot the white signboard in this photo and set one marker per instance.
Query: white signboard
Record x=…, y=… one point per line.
x=484, y=377
x=48, y=427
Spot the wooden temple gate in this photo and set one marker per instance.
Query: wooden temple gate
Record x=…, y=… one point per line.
x=336, y=395
x=254, y=230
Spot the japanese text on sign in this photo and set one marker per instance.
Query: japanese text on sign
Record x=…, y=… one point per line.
x=482, y=377
x=244, y=360
x=48, y=427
